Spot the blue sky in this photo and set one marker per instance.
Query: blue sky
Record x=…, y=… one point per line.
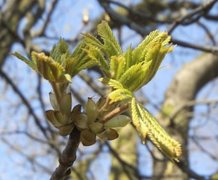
x=66, y=23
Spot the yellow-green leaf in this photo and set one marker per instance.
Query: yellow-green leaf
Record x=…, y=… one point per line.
x=110, y=43
x=120, y=95
x=112, y=83
x=148, y=127
x=27, y=61
x=117, y=66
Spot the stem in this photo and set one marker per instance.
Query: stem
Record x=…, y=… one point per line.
x=56, y=91
x=68, y=156
x=104, y=105
x=115, y=112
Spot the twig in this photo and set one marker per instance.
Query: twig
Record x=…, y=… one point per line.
x=190, y=104
x=115, y=112
x=142, y=31
x=125, y=165
x=207, y=31
x=47, y=20
x=211, y=17
x=182, y=165
x=137, y=14
x=25, y=101
x=204, y=150
x=193, y=16
x=30, y=158
x=68, y=156
x=209, y=49
x=91, y=83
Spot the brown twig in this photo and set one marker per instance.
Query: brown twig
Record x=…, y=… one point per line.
x=68, y=156
x=193, y=16
x=25, y=101
x=142, y=31
x=115, y=112
x=205, y=48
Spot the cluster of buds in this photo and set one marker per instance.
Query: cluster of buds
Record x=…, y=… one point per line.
x=92, y=124
x=60, y=117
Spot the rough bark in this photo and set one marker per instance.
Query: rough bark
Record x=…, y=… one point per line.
x=184, y=88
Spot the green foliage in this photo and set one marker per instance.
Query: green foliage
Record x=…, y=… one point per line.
x=60, y=66
x=25, y=60
x=110, y=44
x=149, y=128
x=123, y=72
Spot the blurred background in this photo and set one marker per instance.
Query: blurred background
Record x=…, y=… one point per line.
x=183, y=95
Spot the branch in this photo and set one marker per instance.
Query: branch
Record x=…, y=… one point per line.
x=25, y=101
x=47, y=20
x=67, y=157
x=31, y=158
x=192, y=16
x=91, y=83
x=191, y=103
x=182, y=165
x=115, y=112
x=209, y=49
x=138, y=15
x=142, y=31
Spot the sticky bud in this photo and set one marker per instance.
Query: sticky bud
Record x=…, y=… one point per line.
x=65, y=103
x=50, y=114
x=53, y=101
x=108, y=134
x=81, y=121
x=65, y=130
x=91, y=110
x=87, y=138
x=96, y=127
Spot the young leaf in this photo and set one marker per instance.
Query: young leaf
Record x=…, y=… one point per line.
x=139, y=52
x=48, y=68
x=154, y=56
x=93, y=41
x=117, y=66
x=128, y=57
x=79, y=60
x=120, y=95
x=27, y=61
x=112, y=83
x=154, y=38
x=110, y=43
x=59, y=50
x=97, y=56
x=137, y=120
x=148, y=127
x=133, y=78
